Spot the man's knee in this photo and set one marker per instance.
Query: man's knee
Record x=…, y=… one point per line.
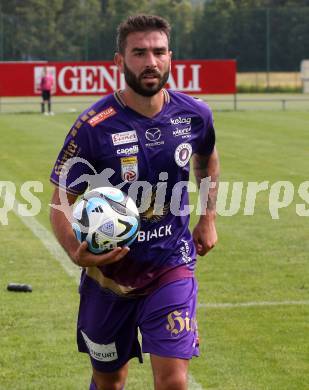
x=170, y=373
x=110, y=381
x=171, y=381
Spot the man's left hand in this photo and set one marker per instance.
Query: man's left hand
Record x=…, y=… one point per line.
x=205, y=234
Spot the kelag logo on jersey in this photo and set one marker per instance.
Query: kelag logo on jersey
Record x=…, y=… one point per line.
x=180, y=131
x=181, y=121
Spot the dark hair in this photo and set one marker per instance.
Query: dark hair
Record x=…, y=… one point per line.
x=139, y=23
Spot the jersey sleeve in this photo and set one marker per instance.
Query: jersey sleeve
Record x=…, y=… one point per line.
x=75, y=160
x=208, y=136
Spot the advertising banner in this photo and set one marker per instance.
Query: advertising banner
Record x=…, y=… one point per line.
x=99, y=78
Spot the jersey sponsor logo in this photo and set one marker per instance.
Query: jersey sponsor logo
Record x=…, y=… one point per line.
x=101, y=116
x=183, y=133
x=125, y=137
x=179, y=321
x=184, y=251
x=149, y=145
x=129, y=169
x=101, y=352
x=162, y=231
x=153, y=134
x=183, y=153
x=131, y=150
x=180, y=121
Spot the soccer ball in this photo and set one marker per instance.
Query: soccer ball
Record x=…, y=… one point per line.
x=106, y=218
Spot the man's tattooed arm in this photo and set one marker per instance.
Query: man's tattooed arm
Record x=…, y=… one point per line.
x=208, y=167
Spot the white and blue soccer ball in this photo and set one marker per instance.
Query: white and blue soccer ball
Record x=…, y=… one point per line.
x=106, y=218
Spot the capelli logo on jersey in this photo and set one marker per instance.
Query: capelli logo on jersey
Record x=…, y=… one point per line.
x=131, y=150
x=180, y=121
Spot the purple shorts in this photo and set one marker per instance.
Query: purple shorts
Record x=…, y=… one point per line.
x=107, y=325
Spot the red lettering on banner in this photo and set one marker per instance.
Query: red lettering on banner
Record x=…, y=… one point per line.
x=97, y=78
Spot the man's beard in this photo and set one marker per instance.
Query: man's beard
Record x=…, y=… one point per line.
x=149, y=89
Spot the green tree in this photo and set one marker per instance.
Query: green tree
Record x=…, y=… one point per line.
x=115, y=11
x=78, y=35
x=54, y=29
x=247, y=30
x=181, y=17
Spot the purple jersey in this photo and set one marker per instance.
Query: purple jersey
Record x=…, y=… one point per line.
x=149, y=158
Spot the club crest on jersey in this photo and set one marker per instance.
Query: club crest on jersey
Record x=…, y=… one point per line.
x=125, y=137
x=129, y=169
x=183, y=153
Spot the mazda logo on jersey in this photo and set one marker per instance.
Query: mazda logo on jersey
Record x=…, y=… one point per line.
x=153, y=134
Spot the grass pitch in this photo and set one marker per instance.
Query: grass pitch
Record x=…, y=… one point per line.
x=244, y=102
x=257, y=259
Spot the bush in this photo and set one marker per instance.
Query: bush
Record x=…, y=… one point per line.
x=264, y=89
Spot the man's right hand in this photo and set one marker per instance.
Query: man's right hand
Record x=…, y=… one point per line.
x=84, y=258
x=78, y=252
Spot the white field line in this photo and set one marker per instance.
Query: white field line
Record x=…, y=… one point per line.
x=50, y=243
x=251, y=304
x=192, y=384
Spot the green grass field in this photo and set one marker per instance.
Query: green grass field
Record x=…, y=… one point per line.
x=245, y=101
x=257, y=259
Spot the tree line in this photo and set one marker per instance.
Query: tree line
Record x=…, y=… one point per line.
x=260, y=34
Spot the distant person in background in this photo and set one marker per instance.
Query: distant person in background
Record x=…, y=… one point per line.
x=46, y=85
